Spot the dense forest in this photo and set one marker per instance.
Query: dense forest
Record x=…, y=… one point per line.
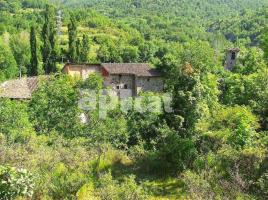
x=214, y=143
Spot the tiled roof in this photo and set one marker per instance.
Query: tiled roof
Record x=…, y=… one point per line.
x=19, y=88
x=139, y=69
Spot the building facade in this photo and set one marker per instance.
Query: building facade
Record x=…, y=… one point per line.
x=125, y=79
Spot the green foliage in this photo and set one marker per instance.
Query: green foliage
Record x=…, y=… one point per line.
x=85, y=49
x=33, y=69
x=20, y=47
x=215, y=138
x=263, y=182
x=109, y=52
x=14, y=119
x=265, y=43
x=15, y=183
x=108, y=188
x=65, y=182
x=172, y=153
x=54, y=107
x=8, y=67
x=49, y=40
x=197, y=185
x=72, y=35
x=93, y=82
x=232, y=125
x=250, y=90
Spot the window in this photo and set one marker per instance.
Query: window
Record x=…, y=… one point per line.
x=148, y=79
x=233, y=56
x=125, y=86
x=117, y=87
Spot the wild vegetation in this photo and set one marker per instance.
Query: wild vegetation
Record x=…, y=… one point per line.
x=212, y=146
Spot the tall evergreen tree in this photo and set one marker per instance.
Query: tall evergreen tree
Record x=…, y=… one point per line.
x=49, y=40
x=78, y=47
x=33, y=69
x=85, y=49
x=265, y=43
x=72, y=34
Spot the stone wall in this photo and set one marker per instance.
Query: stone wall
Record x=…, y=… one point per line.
x=123, y=84
x=119, y=82
x=87, y=70
x=154, y=84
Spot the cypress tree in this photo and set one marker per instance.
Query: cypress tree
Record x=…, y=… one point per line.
x=85, y=48
x=33, y=70
x=49, y=41
x=72, y=34
x=78, y=50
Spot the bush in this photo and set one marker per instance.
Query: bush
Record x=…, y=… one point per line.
x=110, y=189
x=15, y=124
x=263, y=183
x=15, y=182
x=66, y=182
x=170, y=153
x=197, y=186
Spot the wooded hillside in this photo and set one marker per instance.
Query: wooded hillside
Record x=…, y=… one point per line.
x=211, y=144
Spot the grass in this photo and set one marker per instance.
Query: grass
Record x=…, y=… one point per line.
x=158, y=188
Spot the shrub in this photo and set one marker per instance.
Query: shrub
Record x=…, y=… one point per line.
x=263, y=183
x=197, y=186
x=15, y=124
x=110, y=189
x=15, y=182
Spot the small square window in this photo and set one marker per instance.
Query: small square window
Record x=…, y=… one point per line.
x=117, y=87
x=125, y=86
x=148, y=79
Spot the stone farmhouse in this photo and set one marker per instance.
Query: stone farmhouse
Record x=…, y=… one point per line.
x=126, y=79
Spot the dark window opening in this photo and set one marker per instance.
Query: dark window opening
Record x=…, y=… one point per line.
x=117, y=87
x=148, y=79
x=125, y=86
x=233, y=56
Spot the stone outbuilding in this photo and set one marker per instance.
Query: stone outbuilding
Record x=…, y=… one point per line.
x=231, y=58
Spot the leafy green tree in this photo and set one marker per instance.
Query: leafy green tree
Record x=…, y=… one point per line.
x=130, y=54
x=54, y=107
x=33, y=69
x=8, y=66
x=250, y=61
x=235, y=126
x=20, y=46
x=147, y=51
x=188, y=78
x=49, y=51
x=109, y=52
